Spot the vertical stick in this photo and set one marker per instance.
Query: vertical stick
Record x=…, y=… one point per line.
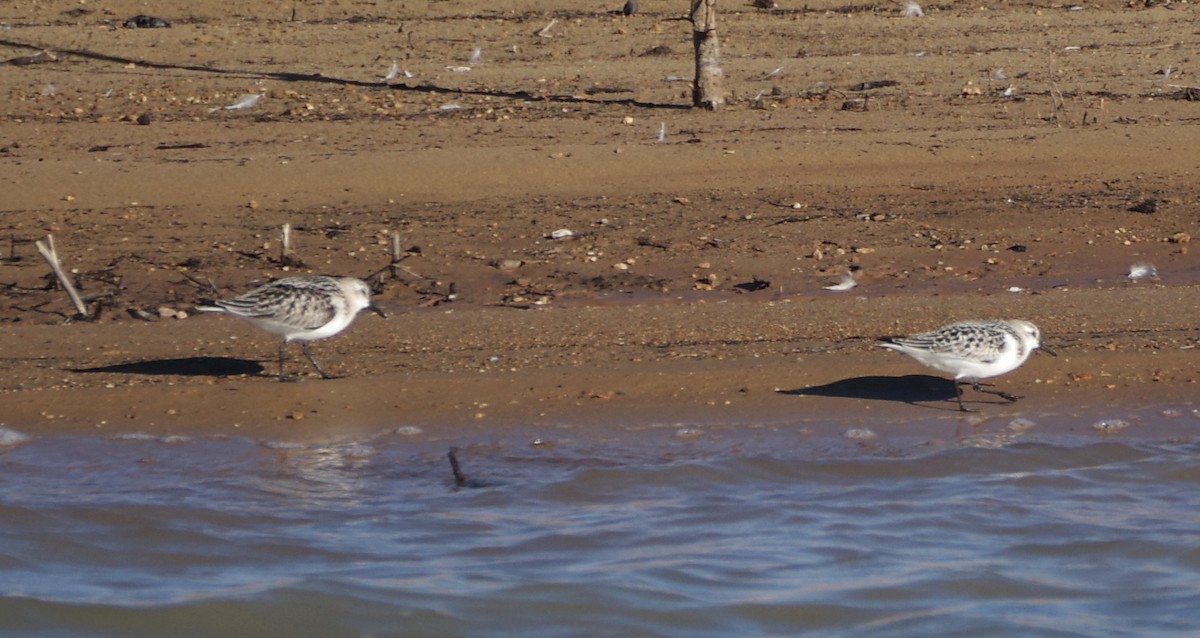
x=285, y=246
x=396, y=257
x=1060, y=103
x=707, y=89
x=50, y=253
x=460, y=479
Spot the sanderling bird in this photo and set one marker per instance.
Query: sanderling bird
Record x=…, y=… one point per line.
x=973, y=350
x=301, y=309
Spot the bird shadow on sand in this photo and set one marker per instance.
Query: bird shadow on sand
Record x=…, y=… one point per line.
x=183, y=367
x=913, y=389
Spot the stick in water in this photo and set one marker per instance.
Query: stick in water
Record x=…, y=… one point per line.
x=50, y=253
x=460, y=479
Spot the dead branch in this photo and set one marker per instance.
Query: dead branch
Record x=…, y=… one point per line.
x=50, y=254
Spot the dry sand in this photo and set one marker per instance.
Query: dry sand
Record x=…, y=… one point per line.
x=992, y=175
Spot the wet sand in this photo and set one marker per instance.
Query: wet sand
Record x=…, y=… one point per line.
x=691, y=290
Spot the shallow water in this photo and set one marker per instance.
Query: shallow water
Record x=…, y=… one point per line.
x=685, y=535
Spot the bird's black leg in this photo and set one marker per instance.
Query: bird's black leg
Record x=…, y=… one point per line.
x=283, y=355
x=308, y=353
x=958, y=389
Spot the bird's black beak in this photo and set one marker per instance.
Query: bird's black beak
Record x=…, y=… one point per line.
x=375, y=309
x=1048, y=351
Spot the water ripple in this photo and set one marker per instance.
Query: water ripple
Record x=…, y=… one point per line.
x=141, y=537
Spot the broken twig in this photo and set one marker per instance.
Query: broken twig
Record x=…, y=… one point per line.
x=544, y=32
x=50, y=253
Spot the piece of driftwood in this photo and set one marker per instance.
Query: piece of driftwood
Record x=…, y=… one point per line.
x=50, y=253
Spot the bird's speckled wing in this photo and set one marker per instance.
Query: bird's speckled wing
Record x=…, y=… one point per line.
x=982, y=341
x=306, y=303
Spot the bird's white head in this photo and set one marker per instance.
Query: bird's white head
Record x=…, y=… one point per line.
x=358, y=296
x=1030, y=334
x=1028, y=331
